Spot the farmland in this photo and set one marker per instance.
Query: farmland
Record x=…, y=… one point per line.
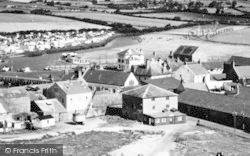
x=138, y=22
x=189, y=16
x=23, y=22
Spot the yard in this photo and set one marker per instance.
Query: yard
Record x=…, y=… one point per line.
x=23, y=22
x=112, y=18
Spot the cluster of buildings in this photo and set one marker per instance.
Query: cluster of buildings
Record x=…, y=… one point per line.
x=34, y=42
x=152, y=91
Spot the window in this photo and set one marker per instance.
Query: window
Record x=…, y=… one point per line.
x=163, y=120
x=127, y=61
x=145, y=118
x=47, y=121
x=153, y=99
x=118, y=60
x=157, y=120
x=167, y=98
x=167, y=106
x=179, y=118
x=56, y=89
x=122, y=61
x=131, y=82
x=153, y=107
x=171, y=119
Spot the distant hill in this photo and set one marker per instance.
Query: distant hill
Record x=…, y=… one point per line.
x=21, y=1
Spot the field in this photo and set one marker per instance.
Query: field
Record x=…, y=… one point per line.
x=189, y=16
x=22, y=22
x=207, y=142
x=138, y=22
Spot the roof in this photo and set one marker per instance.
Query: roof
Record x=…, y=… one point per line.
x=73, y=87
x=45, y=117
x=242, y=71
x=165, y=114
x=196, y=86
x=117, y=78
x=223, y=103
x=105, y=98
x=197, y=69
x=213, y=65
x=13, y=93
x=185, y=50
x=50, y=105
x=155, y=68
x=168, y=83
x=129, y=52
x=149, y=91
x=244, y=93
x=239, y=60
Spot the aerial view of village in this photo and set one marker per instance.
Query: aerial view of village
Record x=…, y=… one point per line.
x=125, y=77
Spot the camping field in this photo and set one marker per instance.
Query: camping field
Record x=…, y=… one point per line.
x=23, y=22
x=138, y=22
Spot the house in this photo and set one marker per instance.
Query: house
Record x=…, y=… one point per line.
x=75, y=96
x=113, y=81
x=238, y=61
x=43, y=121
x=147, y=103
x=191, y=73
x=168, y=83
x=214, y=67
x=14, y=101
x=49, y=107
x=239, y=74
x=153, y=69
x=187, y=53
x=128, y=58
x=217, y=108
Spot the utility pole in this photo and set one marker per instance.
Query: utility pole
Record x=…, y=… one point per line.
x=234, y=116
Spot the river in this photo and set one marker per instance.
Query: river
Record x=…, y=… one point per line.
x=40, y=62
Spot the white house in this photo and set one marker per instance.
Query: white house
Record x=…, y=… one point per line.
x=191, y=73
x=128, y=58
x=113, y=81
x=73, y=95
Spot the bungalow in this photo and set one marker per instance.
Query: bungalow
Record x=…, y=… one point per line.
x=191, y=73
x=128, y=58
x=113, y=81
x=49, y=107
x=73, y=95
x=43, y=121
x=149, y=103
x=188, y=53
x=217, y=108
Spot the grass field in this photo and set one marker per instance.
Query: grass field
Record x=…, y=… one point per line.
x=189, y=16
x=139, y=22
x=22, y=22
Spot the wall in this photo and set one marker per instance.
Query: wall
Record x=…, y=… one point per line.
x=173, y=101
x=43, y=123
x=130, y=78
x=132, y=107
x=159, y=104
x=78, y=101
x=185, y=74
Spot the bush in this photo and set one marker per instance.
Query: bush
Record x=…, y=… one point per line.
x=177, y=18
x=41, y=12
x=13, y=11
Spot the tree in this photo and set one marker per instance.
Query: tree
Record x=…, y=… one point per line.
x=94, y=2
x=117, y=11
x=234, y=3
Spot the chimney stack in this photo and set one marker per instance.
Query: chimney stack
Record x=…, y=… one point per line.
x=147, y=64
x=233, y=63
x=154, y=53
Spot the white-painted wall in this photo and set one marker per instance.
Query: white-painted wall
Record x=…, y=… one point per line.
x=44, y=123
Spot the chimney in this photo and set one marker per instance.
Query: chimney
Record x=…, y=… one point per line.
x=171, y=54
x=154, y=53
x=147, y=64
x=233, y=63
x=66, y=71
x=199, y=61
x=164, y=68
x=79, y=72
x=237, y=90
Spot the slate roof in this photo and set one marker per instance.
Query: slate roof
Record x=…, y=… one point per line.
x=185, y=50
x=50, y=105
x=15, y=100
x=149, y=91
x=117, y=78
x=129, y=52
x=239, y=60
x=196, y=86
x=223, y=103
x=213, y=65
x=242, y=71
x=73, y=87
x=168, y=83
x=197, y=69
x=45, y=117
